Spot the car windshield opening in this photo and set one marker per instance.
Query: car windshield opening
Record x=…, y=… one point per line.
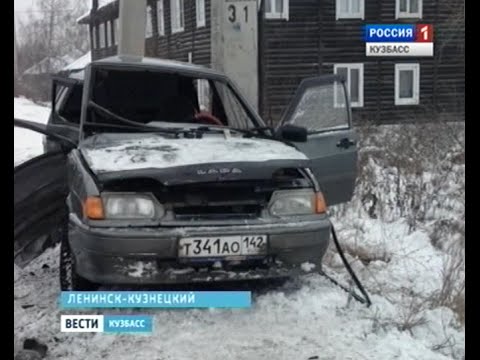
x=156, y=99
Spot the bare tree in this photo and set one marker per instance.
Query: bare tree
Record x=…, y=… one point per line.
x=49, y=33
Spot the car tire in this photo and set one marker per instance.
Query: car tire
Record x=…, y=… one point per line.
x=69, y=279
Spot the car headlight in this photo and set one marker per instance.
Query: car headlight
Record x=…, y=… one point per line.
x=296, y=202
x=118, y=206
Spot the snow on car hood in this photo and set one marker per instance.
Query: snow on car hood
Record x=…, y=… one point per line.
x=107, y=153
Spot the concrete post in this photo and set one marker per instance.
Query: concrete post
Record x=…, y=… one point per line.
x=131, y=32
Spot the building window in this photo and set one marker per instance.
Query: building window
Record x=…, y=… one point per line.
x=200, y=7
x=408, y=9
x=407, y=84
x=353, y=75
x=350, y=9
x=101, y=35
x=177, y=15
x=276, y=9
x=148, y=23
x=160, y=18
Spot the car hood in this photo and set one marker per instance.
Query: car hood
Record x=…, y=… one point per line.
x=210, y=158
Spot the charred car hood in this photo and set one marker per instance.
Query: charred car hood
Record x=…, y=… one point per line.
x=177, y=161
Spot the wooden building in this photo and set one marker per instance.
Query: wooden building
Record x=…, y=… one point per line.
x=269, y=46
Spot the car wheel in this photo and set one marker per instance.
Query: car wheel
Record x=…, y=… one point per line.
x=69, y=279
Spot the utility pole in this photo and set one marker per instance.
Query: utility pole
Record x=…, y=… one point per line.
x=132, y=16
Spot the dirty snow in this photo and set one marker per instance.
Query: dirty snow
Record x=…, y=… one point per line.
x=307, y=267
x=158, y=152
x=310, y=318
x=141, y=269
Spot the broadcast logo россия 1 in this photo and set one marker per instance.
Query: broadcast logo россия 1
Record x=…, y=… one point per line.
x=399, y=40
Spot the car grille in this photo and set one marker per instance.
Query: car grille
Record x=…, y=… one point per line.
x=217, y=201
x=193, y=213
x=228, y=200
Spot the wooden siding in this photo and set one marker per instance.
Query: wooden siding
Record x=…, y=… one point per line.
x=312, y=41
x=192, y=39
x=105, y=14
x=289, y=52
x=172, y=46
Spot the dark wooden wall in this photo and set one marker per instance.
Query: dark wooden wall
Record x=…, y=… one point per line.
x=289, y=52
x=192, y=39
x=172, y=46
x=312, y=41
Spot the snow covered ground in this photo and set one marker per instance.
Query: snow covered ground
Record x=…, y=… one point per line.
x=27, y=144
x=399, y=265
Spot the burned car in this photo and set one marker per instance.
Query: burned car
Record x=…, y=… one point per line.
x=160, y=172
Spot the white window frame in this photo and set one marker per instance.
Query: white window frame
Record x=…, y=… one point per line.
x=276, y=13
x=415, y=67
x=350, y=66
x=101, y=36
x=160, y=18
x=407, y=14
x=200, y=13
x=94, y=37
x=177, y=16
x=116, y=32
x=148, y=22
x=349, y=14
x=108, y=24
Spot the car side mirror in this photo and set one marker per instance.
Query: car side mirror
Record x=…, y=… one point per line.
x=292, y=133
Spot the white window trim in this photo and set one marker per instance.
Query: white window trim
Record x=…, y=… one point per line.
x=349, y=66
x=148, y=22
x=201, y=20
x=415, y=100
x=94, y=37
x=116, y=32
x=348, y=15
x=176, y=14
x=284, y=14
x=109, y=33
x=408, y=15
x=102, y=37
x=160, y=18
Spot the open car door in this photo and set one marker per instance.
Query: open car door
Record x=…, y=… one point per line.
x=322, y=106
x=40, y=190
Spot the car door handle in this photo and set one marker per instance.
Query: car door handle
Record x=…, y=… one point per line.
x=345, y=143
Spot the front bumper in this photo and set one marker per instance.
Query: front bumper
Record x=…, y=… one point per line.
x=149, y=256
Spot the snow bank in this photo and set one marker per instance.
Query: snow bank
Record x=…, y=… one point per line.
x=27, y=143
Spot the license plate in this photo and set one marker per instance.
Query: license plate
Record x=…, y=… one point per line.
x=222, y=246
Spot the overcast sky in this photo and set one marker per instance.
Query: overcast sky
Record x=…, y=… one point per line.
x=22, y=6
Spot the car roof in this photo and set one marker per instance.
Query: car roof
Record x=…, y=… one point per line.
x=156, y=64
x=148, y=63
